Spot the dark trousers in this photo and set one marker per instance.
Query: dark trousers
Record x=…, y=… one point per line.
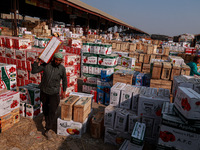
x=50, y=105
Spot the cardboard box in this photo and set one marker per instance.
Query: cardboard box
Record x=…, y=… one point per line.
x=132, y=119
x=174, y=133
x=176, y=71
x=71, y=128
x=115, y=137
x=32, y=111
x=109, y=116
x=108, y=60
x=69, y=59
x=121, y=120
x=82, y=108
x=116, y=93
x=137, y=136
x=22, y=110
x=7, y=71
x=140, y=79
x=126, y=96
x=187, y=105
x=128, y=62
x=50, y=49
x=67, y=107
x=135, y=98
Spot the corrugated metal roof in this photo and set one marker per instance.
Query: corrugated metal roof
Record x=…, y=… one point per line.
x=98, y=12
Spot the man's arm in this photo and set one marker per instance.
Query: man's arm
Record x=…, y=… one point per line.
x=36, y=68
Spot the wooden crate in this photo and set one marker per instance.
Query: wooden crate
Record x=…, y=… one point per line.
x=67, y=107
x=150, y=49
x=146, y=58
x=185, y=70
x=166, y=51
x=114, y=45
x=166, y=71
x=164, y=57
x=82, y=109
x=152, y=57
x=156, y=72
x=158, y=56
x=141, y=58
x=154, y=49
x=161, y=84
x=139, y=46
x=132, y=47
x=123, y=78
x=146, y=68
x=97, y=125
x=145, y=46
x=176, y=71
x=118, y=46
x=138, y=67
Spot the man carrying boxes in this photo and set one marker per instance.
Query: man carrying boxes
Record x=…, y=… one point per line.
x=53, y=72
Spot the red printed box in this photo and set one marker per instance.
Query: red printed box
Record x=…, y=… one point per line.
x=71, y=80
x=22, y=74
x=69, y=59
x=70, y=70
x=20, y=54
x=22, y=43
x=10, y=53
x=2, y=52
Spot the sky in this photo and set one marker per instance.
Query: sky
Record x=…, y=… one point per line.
x=167, y=17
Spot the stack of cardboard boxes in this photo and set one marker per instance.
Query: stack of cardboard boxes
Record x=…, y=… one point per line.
x=180, y=122
x=9, y=109
x=30, y=104
x=129, y=104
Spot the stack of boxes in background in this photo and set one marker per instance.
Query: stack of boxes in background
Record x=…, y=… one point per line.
x=129, y=104
x=98, y=67
x=75, y=112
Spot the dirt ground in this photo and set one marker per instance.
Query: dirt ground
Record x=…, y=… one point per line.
x=27, y=135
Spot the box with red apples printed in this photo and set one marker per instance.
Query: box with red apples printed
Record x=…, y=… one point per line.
x=187, y=105
x=177, y=135
x=9, y=100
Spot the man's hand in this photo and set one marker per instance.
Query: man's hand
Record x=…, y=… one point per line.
x=63, y=95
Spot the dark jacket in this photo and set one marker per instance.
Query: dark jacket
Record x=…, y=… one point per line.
x=51, y=78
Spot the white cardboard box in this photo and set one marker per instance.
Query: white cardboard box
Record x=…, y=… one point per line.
x=109, y=116
x=126, y=96
x=187, y=104
x=71, y=128
x=116, y=93
x=121, y=120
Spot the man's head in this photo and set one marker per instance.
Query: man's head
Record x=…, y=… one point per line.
x=58, y=57
x=197, y=59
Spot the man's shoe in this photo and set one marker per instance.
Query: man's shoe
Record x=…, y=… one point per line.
x=49, y=135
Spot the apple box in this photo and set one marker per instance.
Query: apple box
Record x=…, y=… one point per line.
x=121, y=120
x=22, y=110
x=7, y=71
x=22, y=43
x=187, y=105
x=23, y=74
x=105, y=49
x=69, y=59
x=9, y=101
x=128, y=62
x=115, y=137
x=115, y=93
x=71, y=128
x=20, y=54
x=137, y=136
x=89, y=58
x=126, y=96
x=32, y=111
x=132, y=119
x=176, y=134
x=109, y=116
x=108, y=60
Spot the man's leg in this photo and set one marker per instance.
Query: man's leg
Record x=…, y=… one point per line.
x=45, y=108
x=54, y=101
